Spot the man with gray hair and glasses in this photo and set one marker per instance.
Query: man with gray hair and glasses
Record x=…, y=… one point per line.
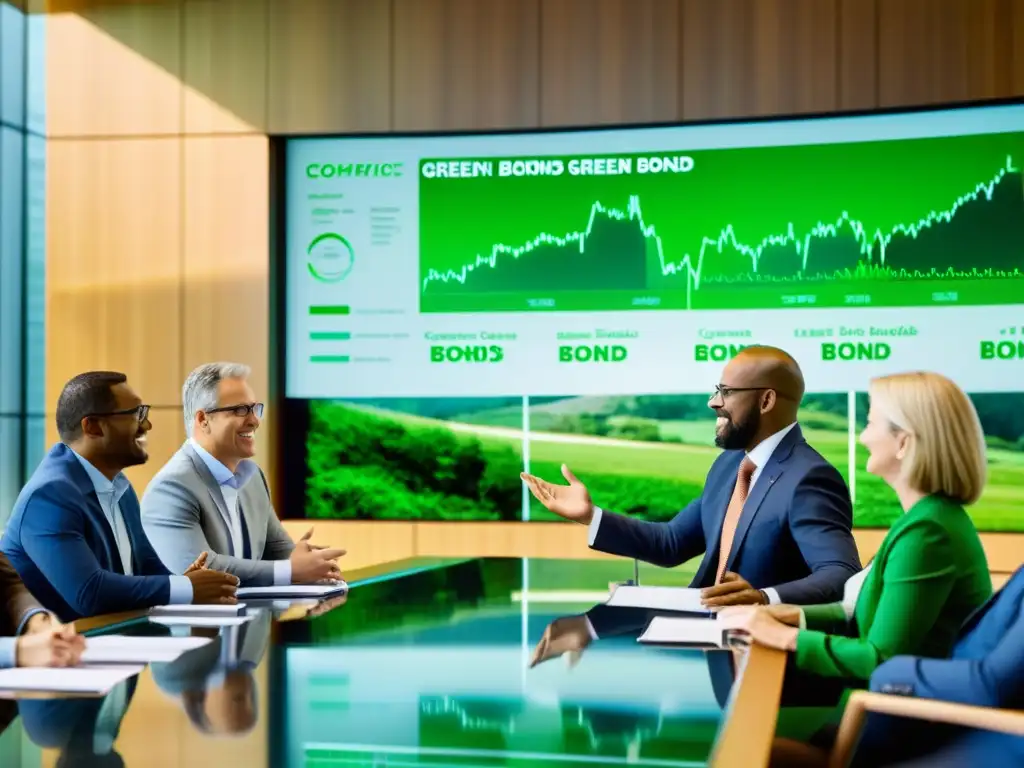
x=212, y=497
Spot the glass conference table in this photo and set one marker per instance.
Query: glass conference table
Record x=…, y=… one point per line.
x=424, y=662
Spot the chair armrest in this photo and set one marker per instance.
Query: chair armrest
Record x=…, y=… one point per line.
x=863, y=702
x=748, y=727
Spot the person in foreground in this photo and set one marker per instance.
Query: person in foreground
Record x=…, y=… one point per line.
x=29, y=637
x=75, y=536
x=930, y=572
x=985, y=669
x=212, y=497
x=774, y=520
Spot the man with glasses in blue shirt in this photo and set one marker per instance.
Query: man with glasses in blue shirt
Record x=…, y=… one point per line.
x=75, y=537
x=212, y=497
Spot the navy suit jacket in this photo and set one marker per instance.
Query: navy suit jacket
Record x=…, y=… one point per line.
x=794, y=534
x=985, y=669
x=62, y=546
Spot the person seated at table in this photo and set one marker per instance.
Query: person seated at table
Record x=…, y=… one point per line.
x=29, y=636
x=926, y=442
x=212, y=497
x=75, y=536
x=774, y=520
x=985, y=669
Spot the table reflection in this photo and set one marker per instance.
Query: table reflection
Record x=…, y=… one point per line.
x=215, y=683
x=446, y=679
x=421, y=663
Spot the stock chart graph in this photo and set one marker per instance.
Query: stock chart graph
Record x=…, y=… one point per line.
x=913, y=222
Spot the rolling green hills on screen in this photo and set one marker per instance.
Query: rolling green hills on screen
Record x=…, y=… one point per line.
x=463, y=461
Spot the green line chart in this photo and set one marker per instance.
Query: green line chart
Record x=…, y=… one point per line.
x=929, y=235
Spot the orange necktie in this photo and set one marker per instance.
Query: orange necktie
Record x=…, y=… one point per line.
x=732, y=513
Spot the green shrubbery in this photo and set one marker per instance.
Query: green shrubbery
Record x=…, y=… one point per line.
x=363, y=465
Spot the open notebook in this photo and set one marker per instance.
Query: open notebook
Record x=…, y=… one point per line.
x=293, y=591
x=672, y=599
x=685, y=632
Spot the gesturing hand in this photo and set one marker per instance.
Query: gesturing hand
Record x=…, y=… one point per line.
x=566, y=635
x=312, y=563
x=199, y=563
x=213, y=587
x=733, y=590
x=570, y=501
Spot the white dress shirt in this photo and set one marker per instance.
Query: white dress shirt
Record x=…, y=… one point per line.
x=759, y=455
x=230, y=483
x=109, y=493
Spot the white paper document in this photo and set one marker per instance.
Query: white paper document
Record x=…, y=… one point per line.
x=292, y=591
x=669, y=630
x=198, y=610
x=84, y=680
x=125, y=649
x=200, y=621
x=682, y=599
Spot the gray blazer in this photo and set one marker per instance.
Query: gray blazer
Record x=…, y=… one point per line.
x=183, y=513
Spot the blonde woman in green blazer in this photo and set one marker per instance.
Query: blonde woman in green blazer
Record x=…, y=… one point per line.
x=930, y=572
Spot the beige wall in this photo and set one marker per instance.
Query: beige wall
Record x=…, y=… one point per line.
x=158, y=113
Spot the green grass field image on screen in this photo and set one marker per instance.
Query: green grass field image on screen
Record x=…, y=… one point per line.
x=913, y=222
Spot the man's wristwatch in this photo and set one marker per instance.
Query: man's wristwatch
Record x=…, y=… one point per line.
x=764, y=597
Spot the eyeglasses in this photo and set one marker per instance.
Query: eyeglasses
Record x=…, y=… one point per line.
x=241, y=410
x=724, y=391
x=139, y=411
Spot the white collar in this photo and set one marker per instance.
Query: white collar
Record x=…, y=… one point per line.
x=762, y=452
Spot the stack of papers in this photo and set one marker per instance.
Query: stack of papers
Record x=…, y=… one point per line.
x=89, y=681
x=124, y=649
x=198, y=610
x=200, y=621
x=674, y=599
x=293, y=591
x=689, y=633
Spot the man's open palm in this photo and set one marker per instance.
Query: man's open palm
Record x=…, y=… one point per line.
x=570, y=501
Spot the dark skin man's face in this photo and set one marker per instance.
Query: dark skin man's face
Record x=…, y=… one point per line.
x=120, y=437
x=740, y=405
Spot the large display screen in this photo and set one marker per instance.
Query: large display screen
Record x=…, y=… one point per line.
x=462, y=307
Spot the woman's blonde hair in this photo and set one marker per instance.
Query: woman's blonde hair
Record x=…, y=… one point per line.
x=946, y=452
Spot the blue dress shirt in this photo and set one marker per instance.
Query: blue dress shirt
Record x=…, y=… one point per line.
x=109, y=493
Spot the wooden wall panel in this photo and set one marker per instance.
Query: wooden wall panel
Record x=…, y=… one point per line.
x=857, y=54
x=366, y=542
x=465, y=63
x=225, y=67
x=113, y=273
x=758, y=57
x=226, y=281
x=372, y=543
x=933, y=51
x=115, y=71
x=609, y=61
x=330, y=66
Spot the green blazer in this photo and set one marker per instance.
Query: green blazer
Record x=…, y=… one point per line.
x=930, y=573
